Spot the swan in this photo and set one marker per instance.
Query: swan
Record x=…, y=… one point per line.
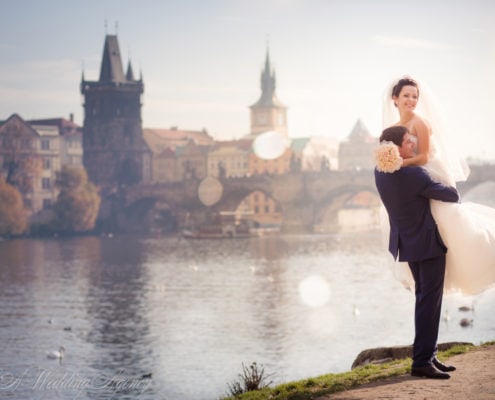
x=356, y=311
x=54, y=355
x=466, y=322
x=468, y=308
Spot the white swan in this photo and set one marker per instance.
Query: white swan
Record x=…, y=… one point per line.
x=54, y=355
x=446, y=316
x=355, y=311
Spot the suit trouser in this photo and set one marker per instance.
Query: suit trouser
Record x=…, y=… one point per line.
x=429, y=276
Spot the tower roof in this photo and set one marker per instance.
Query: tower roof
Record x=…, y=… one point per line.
x=268, y=84
x=130, y=73
x=111, y=64
x=360, y=133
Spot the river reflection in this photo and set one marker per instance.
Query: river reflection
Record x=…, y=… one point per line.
x=191, y=312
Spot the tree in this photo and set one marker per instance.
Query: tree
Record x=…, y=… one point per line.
x=78, y=202
x=13, y=219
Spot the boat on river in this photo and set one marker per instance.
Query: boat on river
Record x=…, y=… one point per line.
x=226, y=225
x=222, y=229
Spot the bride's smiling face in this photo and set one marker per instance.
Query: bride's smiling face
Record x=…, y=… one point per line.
x=407, y=99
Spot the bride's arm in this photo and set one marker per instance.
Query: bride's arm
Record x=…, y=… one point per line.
x=423, y=145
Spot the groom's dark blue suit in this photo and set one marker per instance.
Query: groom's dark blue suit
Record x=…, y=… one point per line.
x=414, y=238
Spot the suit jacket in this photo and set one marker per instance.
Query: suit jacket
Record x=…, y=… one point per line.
x=406, y=194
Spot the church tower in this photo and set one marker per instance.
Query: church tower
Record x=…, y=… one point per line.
x=114, y=148
x=268, y=113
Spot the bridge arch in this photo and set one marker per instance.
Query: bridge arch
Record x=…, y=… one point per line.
x=150, y=214
x=483, y=193
x=305, y=198
x=335, y=210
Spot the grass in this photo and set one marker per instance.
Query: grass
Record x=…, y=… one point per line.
x=331, y=383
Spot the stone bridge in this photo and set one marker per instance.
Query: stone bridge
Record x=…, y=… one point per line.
x=306, y=198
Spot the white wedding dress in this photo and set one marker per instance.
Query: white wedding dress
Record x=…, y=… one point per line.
x=467, y=228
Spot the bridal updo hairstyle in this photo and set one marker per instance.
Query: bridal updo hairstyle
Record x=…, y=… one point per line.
x=394, y=134
x=403, y=82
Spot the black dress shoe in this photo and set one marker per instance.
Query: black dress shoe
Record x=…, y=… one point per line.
x=442, y=367
x=429, y=371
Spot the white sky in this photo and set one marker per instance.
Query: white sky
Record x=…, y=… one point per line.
x=201, y=60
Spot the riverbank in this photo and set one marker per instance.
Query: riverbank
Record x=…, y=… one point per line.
x=474, y=379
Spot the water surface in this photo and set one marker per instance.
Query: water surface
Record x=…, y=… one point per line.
x=192, y=312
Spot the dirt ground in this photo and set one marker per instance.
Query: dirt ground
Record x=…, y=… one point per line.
x=474, y=379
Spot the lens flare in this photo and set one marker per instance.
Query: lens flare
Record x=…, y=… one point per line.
x=314, y=291
x=210, y=191
x=270, y=145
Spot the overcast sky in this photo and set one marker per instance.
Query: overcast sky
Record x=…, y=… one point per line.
x=201, y=60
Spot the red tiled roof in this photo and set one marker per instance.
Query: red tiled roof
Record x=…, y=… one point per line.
x=65, y=126
x=200, y=137
x=243, y=144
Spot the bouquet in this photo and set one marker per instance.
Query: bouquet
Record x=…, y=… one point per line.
x=387, y=157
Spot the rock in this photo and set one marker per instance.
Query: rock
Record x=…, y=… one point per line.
x=381, y=355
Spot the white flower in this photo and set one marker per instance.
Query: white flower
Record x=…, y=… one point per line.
x=387, y=157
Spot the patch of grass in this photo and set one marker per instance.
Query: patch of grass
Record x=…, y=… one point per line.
x=460, y=349
x=331, y=383
x=310, y=388
x=252, y=378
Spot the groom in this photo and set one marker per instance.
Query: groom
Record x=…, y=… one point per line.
x=414, y=238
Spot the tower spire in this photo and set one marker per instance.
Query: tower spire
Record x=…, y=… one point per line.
x=268, y=82
x=111, y=64
x=129, y=74
x=268, y=113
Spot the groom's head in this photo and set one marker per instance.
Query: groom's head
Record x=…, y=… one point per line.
x=400, y=136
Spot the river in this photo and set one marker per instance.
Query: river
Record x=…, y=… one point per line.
x=191, y=313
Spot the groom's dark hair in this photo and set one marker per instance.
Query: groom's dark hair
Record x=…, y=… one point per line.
x=394, y=134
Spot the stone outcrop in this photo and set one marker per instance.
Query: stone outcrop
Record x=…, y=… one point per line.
x=385, y=354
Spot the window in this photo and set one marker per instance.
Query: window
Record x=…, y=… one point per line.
x=46, y=183
x=262, y=118
x=26, y=143
x=47, y=163
x=45, y=144
x=47, y=203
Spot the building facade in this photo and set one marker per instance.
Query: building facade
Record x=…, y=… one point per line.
x=71, y=148
x=356, y=153
x=167, y=144
x=229, y=159
x=30, y=160
x=115, y=152
x=191, y=161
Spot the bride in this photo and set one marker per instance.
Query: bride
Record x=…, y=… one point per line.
x=468, y=229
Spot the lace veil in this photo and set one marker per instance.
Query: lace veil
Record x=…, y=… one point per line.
x=429, y=109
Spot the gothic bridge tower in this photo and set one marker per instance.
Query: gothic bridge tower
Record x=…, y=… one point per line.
x=268, y=113
x=115, y=151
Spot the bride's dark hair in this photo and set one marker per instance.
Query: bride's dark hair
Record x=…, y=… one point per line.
x=403, y=82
